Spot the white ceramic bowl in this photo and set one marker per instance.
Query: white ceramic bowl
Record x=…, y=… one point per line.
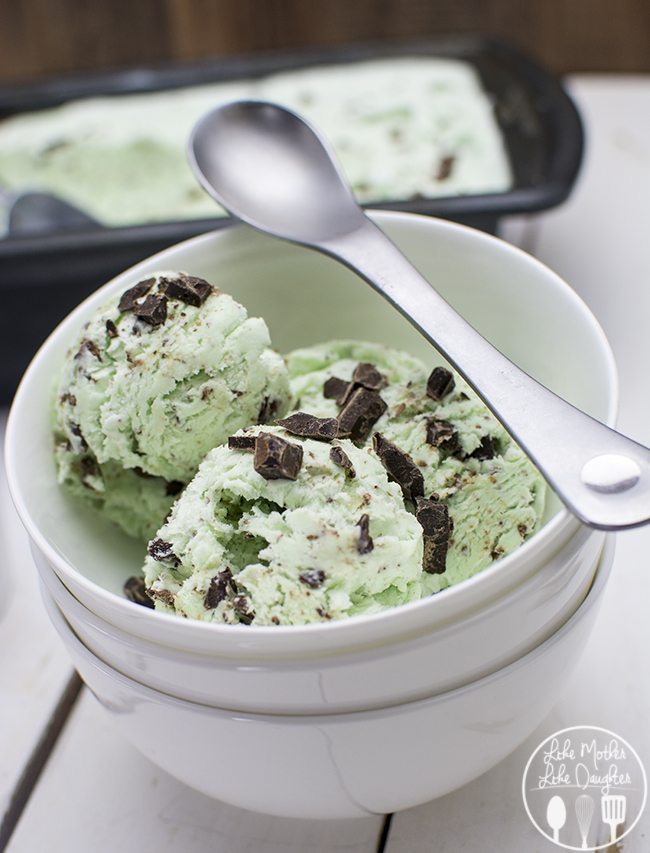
x=439, y=660
x=343, y=765
x=529, y=312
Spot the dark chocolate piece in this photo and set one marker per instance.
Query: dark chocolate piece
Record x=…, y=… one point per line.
x=436, y=527
x=163, y=552
x=360, y=414
x=340, y=457
x=485, y=450
x=89, y=466
x=368, y=376
x=75, y=429
x=129, y=299
x=440, y=383
x=174, y=487
x=400, y=467
x=111, y=329
x=267, y=410
x=335, y=389
x=313, y=577
x=241, y=442
x=135, y=591
x=153, y=310
x=309, y=426
x=165, y=595
x=445, y=168
x=276, y=458
x=91, y=347
x=441, y=434
x=220, y=584
x=68, y=398
x=364, y=543
x=241, y=604
x=189, y=289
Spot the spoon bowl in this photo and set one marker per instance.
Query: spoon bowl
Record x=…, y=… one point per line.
x=294, y=187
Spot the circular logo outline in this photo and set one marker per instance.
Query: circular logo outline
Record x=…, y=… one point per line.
x=595, y=729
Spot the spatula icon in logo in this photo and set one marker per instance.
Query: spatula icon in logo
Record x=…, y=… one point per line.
x=556, y=816
x=584, y=812
x=613, y=808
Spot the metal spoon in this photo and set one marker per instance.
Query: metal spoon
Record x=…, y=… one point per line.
x=35, y=213
x=270, y=168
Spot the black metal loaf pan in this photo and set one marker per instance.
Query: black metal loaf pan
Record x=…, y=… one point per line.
x=42, y=278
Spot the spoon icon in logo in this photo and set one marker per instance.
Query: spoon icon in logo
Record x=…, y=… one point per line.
x=556, y=816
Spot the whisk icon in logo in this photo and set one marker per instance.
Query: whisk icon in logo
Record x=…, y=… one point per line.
x=584, y=788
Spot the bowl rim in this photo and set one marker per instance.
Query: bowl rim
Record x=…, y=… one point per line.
x=48, y=577
x=592, y=598
x=559, y=528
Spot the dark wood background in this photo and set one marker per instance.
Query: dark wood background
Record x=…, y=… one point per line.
x=49, y=36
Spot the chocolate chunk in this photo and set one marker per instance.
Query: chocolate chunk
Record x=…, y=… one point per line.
x=134, y=590
x=189, y=289
x=368, y=376
x=440, y=383
x=68, y=398
x=165, y=595
x=153, y=310
x=91, y=347
x=111, y=329
x=364, y=543
x=241, y=606
x=217, y=592
x=241, y=442
x=360, y=414
x=445, y=167
x=276, y=458
x=313, y=577
x=163, y=552
x=309, y=426
x=400, y=467
x=336, y=389
x=75, y=429
x=441, y=434
x=129, y=299
x=340, y=457
x=174, y=487
x=323, y=613
x=437, y=527
x=267, y=410
x=88, y=466
x=485, y=450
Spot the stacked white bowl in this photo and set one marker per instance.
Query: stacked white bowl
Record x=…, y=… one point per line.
x=370, y=714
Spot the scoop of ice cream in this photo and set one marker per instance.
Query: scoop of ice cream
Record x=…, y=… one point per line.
x=160, y=375
x=246, y=543
x=494, y=494
x=135, y=501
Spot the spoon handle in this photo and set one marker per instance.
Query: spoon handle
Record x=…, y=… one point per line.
x=602, y=476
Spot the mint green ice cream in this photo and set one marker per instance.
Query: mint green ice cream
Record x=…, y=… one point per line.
x=158, y=376
x=239, y=547
x=496, y=503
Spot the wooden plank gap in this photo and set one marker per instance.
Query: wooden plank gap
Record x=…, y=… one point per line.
x=38, y=759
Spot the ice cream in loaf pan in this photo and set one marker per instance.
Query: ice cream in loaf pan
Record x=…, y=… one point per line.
x=162, y=373
x=403, y=128
x=389, y=482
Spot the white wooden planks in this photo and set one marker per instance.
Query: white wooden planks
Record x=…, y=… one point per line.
x=33, y=665
x=99, y=794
